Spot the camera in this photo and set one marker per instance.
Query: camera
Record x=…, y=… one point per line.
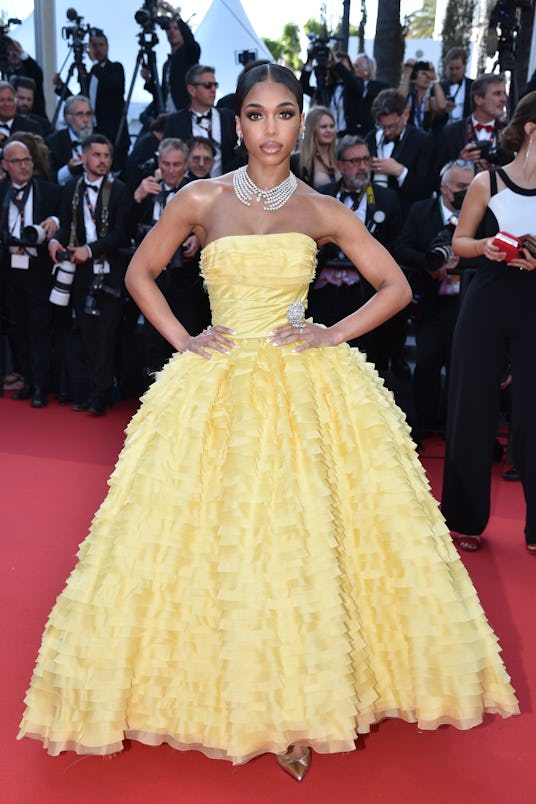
x=61, y=292
x=98, y=287
x=440, y=249
x=319, y=49
x=417, y=67
x=76, y=32
x=147, y=16
x=487, y=151
x=34, y=235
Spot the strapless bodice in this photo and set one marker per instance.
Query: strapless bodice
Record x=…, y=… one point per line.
x=252, y=279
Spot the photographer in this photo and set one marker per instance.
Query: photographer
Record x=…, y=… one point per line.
x=10, y=121
x=27, y=202
x=65, y=145
x=25, y=95
x=95, y=215
x=21, y=64
x=418, y=78
x=477, y=137
x=185, y=52
x=180, y=282
x=424, y=249
x=337, y=86
x=456, y=88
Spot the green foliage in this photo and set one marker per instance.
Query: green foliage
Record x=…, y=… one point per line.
x=421, y=23
x=457, y=25
x=275, y=46
x=286, y=49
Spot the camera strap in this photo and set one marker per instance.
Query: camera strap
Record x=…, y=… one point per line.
x=102, y=224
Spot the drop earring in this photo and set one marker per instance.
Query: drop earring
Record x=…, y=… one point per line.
x=239, y=144
x=527, y=152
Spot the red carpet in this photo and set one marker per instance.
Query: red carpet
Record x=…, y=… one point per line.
x=54, y=464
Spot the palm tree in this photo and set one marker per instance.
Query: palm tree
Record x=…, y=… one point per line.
x=389, y=42
x=421, y=23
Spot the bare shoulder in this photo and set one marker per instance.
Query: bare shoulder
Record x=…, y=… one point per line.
x=327, y=218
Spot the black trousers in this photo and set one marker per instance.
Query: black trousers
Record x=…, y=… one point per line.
x=30, y=323
x=183, y=290
x=497, y=318
x=99, y=341
x=433, y=339
x=329, y=304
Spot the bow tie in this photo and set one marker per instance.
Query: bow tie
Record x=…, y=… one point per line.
x=350, y=194
x=91, y=187
x=201, y=117
x=490, y=127
x=18, y=191
x=75, y=143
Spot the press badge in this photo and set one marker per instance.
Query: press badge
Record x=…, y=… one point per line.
x=20, y=261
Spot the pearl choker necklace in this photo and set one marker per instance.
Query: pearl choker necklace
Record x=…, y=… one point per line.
x=245, y=189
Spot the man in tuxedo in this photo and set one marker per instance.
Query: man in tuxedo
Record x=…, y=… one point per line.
x=476, y=137
x=185, y=52
x=457, y=86
x=339, y=289
x=180, y=282
x=10, y=121
x=25, y=94
x=19, y=63
x=402, y=156
x=341, y=93
x=403, y=160
x=365, y=69
x=65, y=145
x=434, y=281
x=27, y=269
x=106, y=91
x=202, y=119
x=95, y=217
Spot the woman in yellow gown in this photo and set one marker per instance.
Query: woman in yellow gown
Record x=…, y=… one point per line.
x=269, y=572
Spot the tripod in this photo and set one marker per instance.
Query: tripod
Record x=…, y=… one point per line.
x=147, y=41
x=77, y=64
x=506, y=63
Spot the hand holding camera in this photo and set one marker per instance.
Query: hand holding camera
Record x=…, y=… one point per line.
x=149, y=186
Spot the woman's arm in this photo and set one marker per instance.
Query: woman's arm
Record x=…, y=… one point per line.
x=473, y=210
x=180, y=218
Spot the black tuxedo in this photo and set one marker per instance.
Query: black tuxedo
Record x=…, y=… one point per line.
x=182, y=286
x=60, y=150
x=19, y=123
x=144, y=151
x=455, y=137
x=179, y=124
x=29, y=311
x=416, y=152
x=330, y=303
x=29, y=68
x=435, y=314
x=175, y=69
x=364, y=120
x=99, y=333
x=352, y=92
x=109, y=105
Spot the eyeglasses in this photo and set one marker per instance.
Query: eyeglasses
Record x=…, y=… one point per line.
x=207, y=84
x=461, y=163
x=391, y=126
x=81, y=114
x=357, y=160
x=202, y=158
x=26, y=160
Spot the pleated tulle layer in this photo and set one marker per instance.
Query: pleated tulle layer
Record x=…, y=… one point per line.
x=268, y=568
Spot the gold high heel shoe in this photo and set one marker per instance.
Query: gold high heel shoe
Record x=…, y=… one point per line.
x=295, y=765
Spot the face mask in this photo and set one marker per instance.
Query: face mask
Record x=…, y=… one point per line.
x=457, y=198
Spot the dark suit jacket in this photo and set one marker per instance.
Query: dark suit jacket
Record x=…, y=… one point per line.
x=119, y=226
x=416, y=152
x=180, y=62
x=455, y=137
x=46, y=203
x=351, y=94
x=109, y=104
x=143, y=151
x=364, y=120
x=29, y=68
x=21, y=123
x=60, y=150
x=423, y=223
x=179, y=124
x=386, y=201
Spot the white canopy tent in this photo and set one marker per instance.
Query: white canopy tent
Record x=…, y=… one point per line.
x=225, y=32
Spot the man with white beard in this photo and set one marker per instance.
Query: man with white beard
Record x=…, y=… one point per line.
x=66, y=145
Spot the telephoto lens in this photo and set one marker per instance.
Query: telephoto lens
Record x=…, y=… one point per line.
x=34, y=234
x=61, y=292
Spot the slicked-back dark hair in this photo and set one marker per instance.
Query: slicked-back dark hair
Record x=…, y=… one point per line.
x=267, y=72
x=97, y=139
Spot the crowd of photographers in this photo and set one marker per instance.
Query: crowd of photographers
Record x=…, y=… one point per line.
x=75, y=199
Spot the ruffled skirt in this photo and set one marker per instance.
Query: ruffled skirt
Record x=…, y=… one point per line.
x=269, y=567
